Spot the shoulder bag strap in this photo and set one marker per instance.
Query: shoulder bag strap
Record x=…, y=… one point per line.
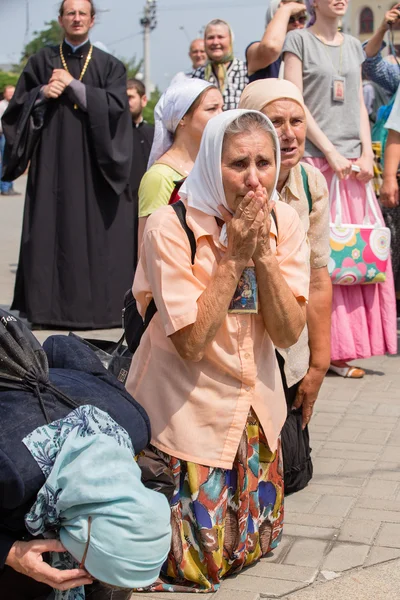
x=306, y=187
x=180, y=210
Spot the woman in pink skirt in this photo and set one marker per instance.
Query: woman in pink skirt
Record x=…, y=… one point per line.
x=326, y=65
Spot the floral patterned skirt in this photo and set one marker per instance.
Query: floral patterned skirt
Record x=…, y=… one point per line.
x=223, y=520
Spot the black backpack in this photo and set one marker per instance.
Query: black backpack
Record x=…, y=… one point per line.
x=132, y=322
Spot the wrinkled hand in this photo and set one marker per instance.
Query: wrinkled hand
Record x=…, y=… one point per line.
x=294, y=7
x=366, y=164
x=26, y=558
x=392, y=15
x=339, y=164
x=62, y=76
x=263, y=242
x=243, y=227
x=307, y=393
x=54, y=89
x=389, y=196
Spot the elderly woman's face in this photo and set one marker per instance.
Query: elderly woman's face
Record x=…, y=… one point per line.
x=289, y=120
x=217, y=42
x=248, y=164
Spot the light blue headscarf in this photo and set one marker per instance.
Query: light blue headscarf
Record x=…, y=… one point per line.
x=88, y=460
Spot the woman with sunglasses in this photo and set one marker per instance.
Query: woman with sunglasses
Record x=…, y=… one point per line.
x=264, y=58
x=325, y=64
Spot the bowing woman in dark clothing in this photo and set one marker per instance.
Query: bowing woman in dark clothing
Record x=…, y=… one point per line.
x=69, y=116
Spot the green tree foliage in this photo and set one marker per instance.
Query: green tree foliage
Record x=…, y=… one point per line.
x=50, y=36
x=148, y=112
x=7, y=79
x=133, y=66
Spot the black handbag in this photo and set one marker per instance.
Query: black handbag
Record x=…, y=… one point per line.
x=114, y=356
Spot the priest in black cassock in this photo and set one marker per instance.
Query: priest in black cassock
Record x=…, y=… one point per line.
x=143, y=134
x=69, y=117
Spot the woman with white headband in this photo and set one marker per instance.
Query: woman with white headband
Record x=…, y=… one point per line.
x=205, y=369
x=180, y=117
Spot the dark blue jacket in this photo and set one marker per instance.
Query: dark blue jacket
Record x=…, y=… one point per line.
x=76, y=371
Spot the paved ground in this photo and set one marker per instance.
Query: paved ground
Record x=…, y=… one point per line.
x=348, y=519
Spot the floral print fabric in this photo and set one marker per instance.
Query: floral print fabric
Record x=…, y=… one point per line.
x=45, y=443
x=223, y=520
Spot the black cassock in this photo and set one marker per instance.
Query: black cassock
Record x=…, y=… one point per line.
x=142, y=140
x=78, y=238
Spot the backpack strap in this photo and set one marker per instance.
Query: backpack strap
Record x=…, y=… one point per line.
x=180, y=210
x=306, y=187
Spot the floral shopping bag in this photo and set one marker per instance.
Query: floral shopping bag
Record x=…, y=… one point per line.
x=359, y=252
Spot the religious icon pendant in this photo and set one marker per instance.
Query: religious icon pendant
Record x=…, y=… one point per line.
x=338, y=89
x=245, y=298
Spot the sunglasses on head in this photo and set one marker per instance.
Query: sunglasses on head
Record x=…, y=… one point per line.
x=302, y=19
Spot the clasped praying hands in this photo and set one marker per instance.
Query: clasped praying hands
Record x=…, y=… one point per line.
x=248, y=229
x=59, y=80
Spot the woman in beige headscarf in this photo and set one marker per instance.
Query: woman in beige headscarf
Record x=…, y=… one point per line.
x=307, y=362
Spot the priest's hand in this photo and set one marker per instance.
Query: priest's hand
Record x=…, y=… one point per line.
x=26, y=558
x=62, y=76
x=54, y=89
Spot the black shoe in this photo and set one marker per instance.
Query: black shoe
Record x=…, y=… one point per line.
x=11, y=193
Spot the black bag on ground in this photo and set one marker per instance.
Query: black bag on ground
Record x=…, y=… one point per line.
x=297, y=462
x=132, y=322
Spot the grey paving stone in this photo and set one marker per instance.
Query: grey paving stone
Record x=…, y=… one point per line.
x=285, y=572
x=328, y=453
x=343, y=557
x=345, y=434
x=374, y=503
x=379, y=554
x=301, y=502
x=391, y=454
x=389, y=536
x=338, y=481
x=337, y=506
x=306, y=553
x=313, y=520
x=388, y=410
x=360, y=408
x=358, y=531
x=327, y=466
x=377, y=422
x=373, y=436
x=344, y=490
x=357, y=468
x=266, y=587
x=280, y=552
x=377, y=516
x=379, y=488
x=307, y=531
x=389, y=471
x=325, y=420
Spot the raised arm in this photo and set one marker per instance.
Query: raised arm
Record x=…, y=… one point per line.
x=262, y=54
x=374, y=45
x=340, y=164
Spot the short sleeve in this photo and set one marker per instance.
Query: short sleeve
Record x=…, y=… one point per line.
x=358, y=50
x=393, y=121
x=318, y=232
x=155, y=190
x=294, y=43
x=165, y=273
x=293, y=251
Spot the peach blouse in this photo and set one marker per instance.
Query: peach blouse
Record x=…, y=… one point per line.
x=198, y=410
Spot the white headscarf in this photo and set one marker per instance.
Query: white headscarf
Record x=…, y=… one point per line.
x=203, y=187
x=170, y=109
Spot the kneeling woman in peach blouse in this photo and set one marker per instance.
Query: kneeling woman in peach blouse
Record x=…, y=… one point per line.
x=205, y=370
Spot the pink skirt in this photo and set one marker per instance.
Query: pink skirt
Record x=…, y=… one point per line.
x=364, y=320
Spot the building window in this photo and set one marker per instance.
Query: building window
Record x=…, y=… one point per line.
x=366, y=21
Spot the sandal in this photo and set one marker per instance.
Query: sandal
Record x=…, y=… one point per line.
x=348, y=371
